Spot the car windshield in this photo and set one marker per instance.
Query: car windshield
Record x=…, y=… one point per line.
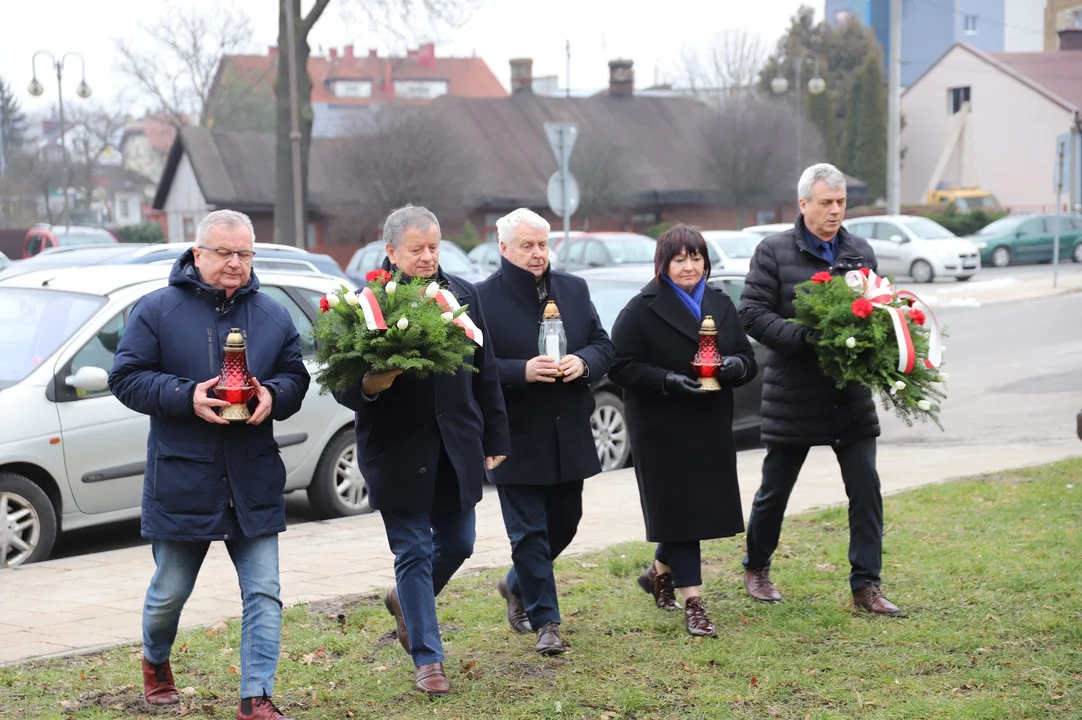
x=35, y=323
x=453, y=259
x=610, y=297
x=738, y=247
x=1003, y=225
x=69, y=239
x=927, y=229
x=632, y=251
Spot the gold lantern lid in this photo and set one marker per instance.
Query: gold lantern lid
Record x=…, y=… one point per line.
x=708, y=326
x=234, y=341
x=551, y=311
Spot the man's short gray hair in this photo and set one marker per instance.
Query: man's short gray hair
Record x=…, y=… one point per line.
x=406, y=218
x=826, y=172
x=223, y=219
x=509, y=223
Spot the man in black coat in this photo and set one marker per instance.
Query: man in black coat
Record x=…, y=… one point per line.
x=423, y=446
x=803, y=407
x=549, y=404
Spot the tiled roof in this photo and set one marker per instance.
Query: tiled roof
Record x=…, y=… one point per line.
x=1058, y=72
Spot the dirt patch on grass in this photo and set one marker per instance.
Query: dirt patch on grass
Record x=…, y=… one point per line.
x=343, y=604
x=1005, y=478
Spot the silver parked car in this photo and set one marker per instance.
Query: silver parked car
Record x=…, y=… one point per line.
x=72, y=456
x=917, y=247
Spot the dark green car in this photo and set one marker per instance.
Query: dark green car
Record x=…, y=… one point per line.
x=1029, y=238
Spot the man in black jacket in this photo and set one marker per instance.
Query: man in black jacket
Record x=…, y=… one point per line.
x=549, y=404
x=423, y=446
x=801, y=406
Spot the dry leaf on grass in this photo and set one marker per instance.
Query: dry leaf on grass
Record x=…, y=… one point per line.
x=234, y=669
x=218, y=628
x=189, y=691
x=313, y=656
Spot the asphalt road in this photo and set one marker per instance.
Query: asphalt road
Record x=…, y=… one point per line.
x=990, y=274
x=1015, y=376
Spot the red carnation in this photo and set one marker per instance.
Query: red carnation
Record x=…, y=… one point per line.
x=862, y=307
x=324, y=306
x=916, y=316
x=381, y=275
x=821, y=277
x=864, y=272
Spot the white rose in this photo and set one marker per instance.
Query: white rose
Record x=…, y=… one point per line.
x=432, y=290
x=351, y=299
x=851, y=343
x=447, y=317
x=390, y=287
x=924, y=405
x=403, y=323
x=332, y=299
x=899, y=385
x=942, y=377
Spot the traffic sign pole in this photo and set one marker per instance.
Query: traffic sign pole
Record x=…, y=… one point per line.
x=1061, y=148
x=561, y=137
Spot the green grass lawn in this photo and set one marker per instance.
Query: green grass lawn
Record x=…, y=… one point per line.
x=987, y=570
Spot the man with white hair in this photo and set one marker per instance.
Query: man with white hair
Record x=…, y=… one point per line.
x=549, y=404
x=207, y=478
x=801, y=406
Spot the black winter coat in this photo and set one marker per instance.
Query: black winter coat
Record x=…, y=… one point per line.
x=683, y=446
x=401, y=430
x=551, y=439
x=205, y=481
x=801, y=405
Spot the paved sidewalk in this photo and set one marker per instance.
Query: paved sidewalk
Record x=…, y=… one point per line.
x=995, y=291
x=92, y=601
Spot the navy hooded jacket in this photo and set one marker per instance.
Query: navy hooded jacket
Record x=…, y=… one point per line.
x=205, y=481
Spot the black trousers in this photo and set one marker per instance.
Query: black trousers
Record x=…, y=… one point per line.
x=780, y=470
x=684, y=559
x=541, y=521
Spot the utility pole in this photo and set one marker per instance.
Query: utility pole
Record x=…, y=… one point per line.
x=799, y=90
x=568, y=47
x=894, y=111
x=295, y=129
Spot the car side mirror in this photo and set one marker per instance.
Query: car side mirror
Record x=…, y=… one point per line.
x=899, y=239
x=89, y=379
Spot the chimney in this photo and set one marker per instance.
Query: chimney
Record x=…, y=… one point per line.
x=348, y=50
x=521, y=75
x=372, y=53
x=621, y=78
x=334, y=53
x=272, y=51
x=1070, y=39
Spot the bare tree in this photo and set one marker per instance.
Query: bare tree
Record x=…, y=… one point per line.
x=600, y=166
x=383, y=17
x=402, y=155
x=92, y=132
x=729, y=66
x=176, y=70
x=749, y=148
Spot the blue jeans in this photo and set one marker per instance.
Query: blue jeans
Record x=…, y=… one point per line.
x=428, y=548
x=256, y=561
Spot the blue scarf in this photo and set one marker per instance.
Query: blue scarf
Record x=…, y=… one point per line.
x=694, y=300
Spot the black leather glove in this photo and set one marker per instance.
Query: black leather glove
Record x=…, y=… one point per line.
x=732, y=368
x=675, y=383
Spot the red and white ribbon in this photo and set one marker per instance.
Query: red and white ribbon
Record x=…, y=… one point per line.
x=879, y=291
x=369, y=304
x=449, y=303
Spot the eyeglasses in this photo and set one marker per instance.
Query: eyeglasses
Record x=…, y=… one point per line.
x=245, y=256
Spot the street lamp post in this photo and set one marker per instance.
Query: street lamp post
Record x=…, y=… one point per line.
x=816, y=86
x=82, y=90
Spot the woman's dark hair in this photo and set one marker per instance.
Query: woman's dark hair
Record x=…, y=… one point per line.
x=677, y=239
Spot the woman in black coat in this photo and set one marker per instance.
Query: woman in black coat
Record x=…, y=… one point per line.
x=681, y=434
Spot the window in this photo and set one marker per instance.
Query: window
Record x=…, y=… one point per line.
x=595, y=254
x=420, y=89
x=864, y=230
x=125, y=207
x=886, y=231
x=189, y=230
x=956, y=97
x=100, y=350
x=352, y=88
x=490, y=227
x=1074, y=18
x=33, y=245
x=732, y=287
x=573, y=251
x=300, y=318
x=1033, y=226
x=969, y=24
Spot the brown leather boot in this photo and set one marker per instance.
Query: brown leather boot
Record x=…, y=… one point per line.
x=548, y=640
x=431, y=679
x=695, y=619
x=390, y=601
x=660, y=586
x=757, y=581
x=871, y=598
x=158, y=685
x=259, y=709
x=516, y=613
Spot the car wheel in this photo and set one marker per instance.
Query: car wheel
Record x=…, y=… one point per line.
x=1076, y=255
x=610, y=431
x=27, y=522
x=338, y=488
x=921, y=272
x=1001, y=257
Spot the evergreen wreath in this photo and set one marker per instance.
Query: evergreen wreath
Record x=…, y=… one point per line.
x=857, y=341
x=420, y=336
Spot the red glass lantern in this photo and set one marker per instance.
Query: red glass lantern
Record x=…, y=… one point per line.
x=707, y=360
x=234, y=380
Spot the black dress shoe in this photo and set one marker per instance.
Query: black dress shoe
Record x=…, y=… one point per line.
x=548, y=640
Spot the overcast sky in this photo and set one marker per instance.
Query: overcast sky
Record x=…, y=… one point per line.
x=649, y=32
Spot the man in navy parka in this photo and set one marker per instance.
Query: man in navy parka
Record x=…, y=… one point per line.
x=206, y=478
